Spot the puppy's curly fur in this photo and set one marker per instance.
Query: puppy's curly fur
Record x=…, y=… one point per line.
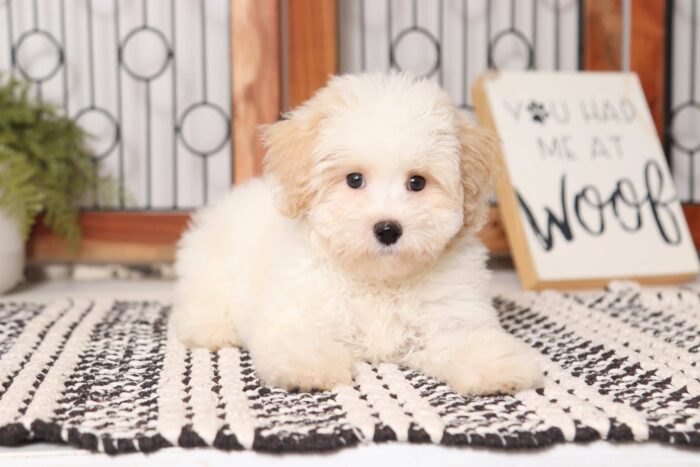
x=289, y=265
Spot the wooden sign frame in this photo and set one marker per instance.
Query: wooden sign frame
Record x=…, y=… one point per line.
x=514, y=228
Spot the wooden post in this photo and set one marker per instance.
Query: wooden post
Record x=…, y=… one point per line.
x=602, y=35
x=648, y=54
x=255, y=45
x=313, y=46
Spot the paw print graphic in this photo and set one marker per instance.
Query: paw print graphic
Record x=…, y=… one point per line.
x=537, y=111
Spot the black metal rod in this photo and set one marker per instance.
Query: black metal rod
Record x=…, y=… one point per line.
x=35, y=20
x=693, y=59
x=414, y=13
x=149, y=145
x=91, y=54
x=35, y=15
x=205, y=171
x=95, y=189
x=117, y=39
x=363, y=33
x=66, y=110
x=389, y=33
x=229, y=57
x=581, y=34
x=10, y=37
x=203, y=9
x=691, y=162
x=205, y=180
x=91, y=76
x=176, y=129
x=693, y=45
x=535, y=13
x=465, y=53
x=441, y=27
x=489, y=58
x=668, y=77
x=557, y=34
x=144, y=13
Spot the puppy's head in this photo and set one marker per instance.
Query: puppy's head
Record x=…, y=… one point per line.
x=383, y=170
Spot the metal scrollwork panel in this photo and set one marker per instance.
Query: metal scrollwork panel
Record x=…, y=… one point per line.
x=453, y=41
x=150, y=81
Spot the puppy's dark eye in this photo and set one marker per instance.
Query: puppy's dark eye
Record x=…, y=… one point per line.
x=416, y=183
x=355, y=180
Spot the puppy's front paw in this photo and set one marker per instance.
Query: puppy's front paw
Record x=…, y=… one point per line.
x=486, y=362
x=306, y=378
x=209, y=330
x=305, y=371
x=504, y=375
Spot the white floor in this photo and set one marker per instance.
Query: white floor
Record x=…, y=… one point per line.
x=594, y=454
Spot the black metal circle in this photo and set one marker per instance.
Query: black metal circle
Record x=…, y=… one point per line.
x=518, y=35
x=686, y=106
x=111, y=119
x=224, y=117
x=425, y=33
x=52, y=41
x=125, y=43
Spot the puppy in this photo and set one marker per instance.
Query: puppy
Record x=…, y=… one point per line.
x=357, y=245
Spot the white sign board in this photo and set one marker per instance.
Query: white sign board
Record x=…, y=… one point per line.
x=587, y=195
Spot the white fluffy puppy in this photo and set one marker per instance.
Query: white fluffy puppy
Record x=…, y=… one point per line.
x=358, y=244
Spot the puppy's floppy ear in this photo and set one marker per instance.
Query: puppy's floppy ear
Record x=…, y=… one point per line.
x=290, y=145
x=479, y=169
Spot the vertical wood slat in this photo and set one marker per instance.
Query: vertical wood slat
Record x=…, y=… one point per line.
x=602, y=22
x=648, y=54
x=255, y=62
x=603, y=42
x=313, y=46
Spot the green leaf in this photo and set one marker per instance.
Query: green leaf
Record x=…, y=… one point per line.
x=45, y=164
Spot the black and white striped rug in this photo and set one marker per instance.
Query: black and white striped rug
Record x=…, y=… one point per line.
x=110, y=376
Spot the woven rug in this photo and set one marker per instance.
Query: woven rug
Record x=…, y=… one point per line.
x=110, y=376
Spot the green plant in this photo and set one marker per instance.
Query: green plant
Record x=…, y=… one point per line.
x=45, y=164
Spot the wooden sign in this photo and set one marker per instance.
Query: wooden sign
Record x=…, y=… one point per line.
x=586, y=195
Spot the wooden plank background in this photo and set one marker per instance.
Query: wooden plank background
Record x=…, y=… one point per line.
x=256, y=77
x=312, y=27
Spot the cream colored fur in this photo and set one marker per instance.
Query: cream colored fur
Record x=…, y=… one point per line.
x=288, y=266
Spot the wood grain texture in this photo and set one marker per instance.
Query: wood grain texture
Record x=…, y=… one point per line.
x=255, y=61
x=692, y=216
x=603, y=34
x=647, y=54
x=313, y=47
x=113, y=236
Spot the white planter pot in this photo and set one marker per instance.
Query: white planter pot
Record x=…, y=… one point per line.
x=11, y=253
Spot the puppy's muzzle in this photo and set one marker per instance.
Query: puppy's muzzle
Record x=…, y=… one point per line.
x=387, y=232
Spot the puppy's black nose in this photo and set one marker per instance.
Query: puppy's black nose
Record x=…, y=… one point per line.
x=387, y=232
